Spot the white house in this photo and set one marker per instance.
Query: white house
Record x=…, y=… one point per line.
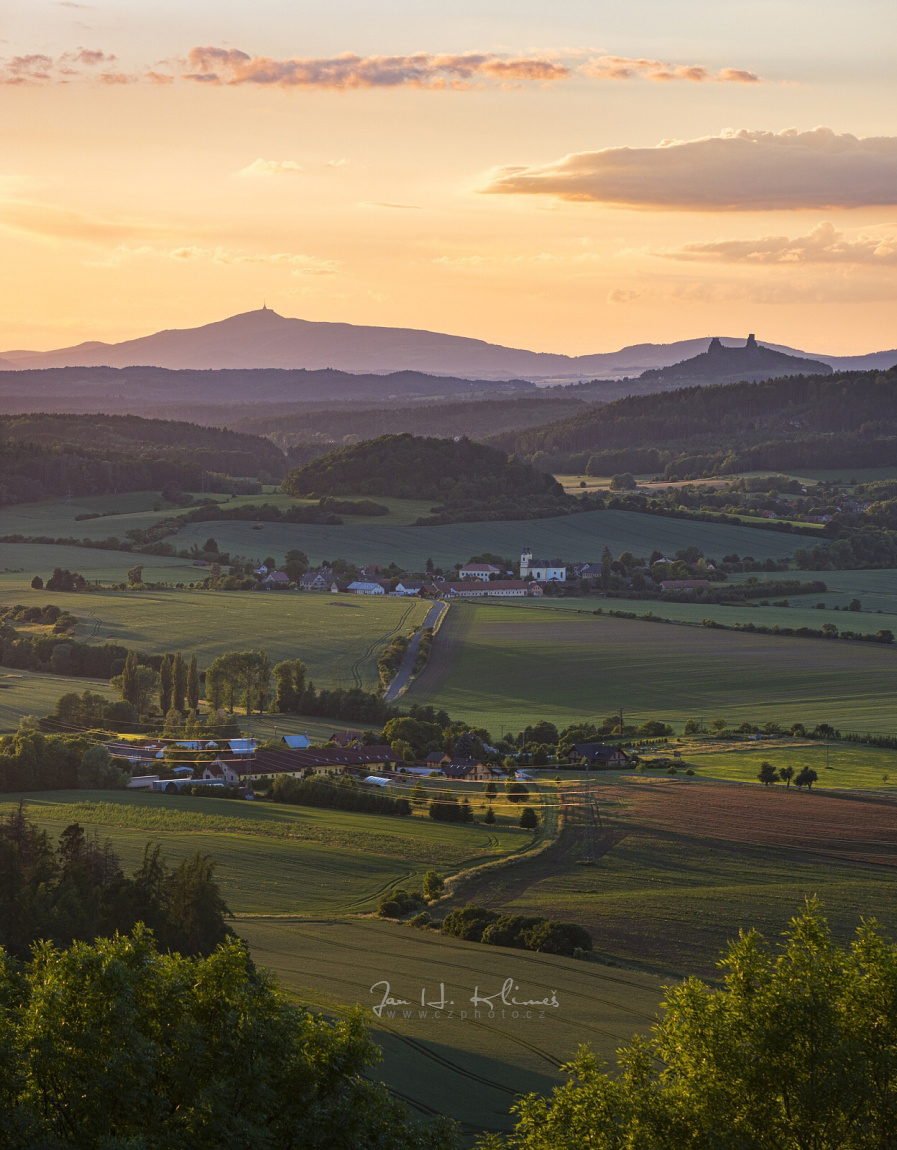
x=542, y=570
x=359, y=587
x=483, y=571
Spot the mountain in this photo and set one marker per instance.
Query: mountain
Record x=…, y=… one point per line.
x=262, y=338
x=753, y=363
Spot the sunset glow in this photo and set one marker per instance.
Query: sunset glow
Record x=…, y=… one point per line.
x=569, y=177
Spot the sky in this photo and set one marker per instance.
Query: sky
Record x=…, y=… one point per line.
x=562, y=175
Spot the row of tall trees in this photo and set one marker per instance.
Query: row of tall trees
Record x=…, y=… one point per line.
x=178, y=684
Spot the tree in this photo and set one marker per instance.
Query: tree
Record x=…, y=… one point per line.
x=794, y=1051
x=489, y=817
x=806, y=777
x=193, y=685
x=117, y=1043
x=238, y=676
x=607, y=560
x=624, y=482
x=516, y=792
x=491, y=790
x=128, y=679
x=99, y=770
x=418, y=794
x=135, y=576
x=166, y=684
x=786, y=774
x=854, y=605
x=433, y=885
x=529, y=820
x=178, y=683
x=767, y=774
x=37, y=583
x=289, y=680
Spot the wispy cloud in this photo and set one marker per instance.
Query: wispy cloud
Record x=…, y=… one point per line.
x=739, y=170
x=53, y=222
x=824, y=244
x=350, y=71
x=432, y=71
x=388, y=204
x=271, y=168
x=629, y=68
x=297, y=263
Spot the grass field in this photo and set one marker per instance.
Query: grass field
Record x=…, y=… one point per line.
x=469, y=1068
x=338, y=637
x=22, y=561
x=277, y=859
x=574, y=537
x=506, y=666
x=801, y=613
x=680, y=866
x=27, y=693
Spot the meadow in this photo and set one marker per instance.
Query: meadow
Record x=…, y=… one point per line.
x=280, y=859
x=28, y=693
x=680, y=866
x=504, y=667
x=469, y=1068
x=338, y=637
x=22, y=561
x=801, y=612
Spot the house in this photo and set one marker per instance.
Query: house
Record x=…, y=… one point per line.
x=361, y=587
x=587, y=570
x=242, y=746
x=483, y=571
x=220, y=771
x=297, y=742
x=542, y=570
x=468, y=770
x=598, y=755
x=370, y=570
x=316, y=580
x=435, y=759
x=276, y=581
x=409, y=587
x=345, y=738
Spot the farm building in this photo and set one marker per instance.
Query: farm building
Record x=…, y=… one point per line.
x=319, y=761
x=470, y=770
x=483, y=571
x=361, y=587
x=598, y=755
x=297, y=742
x=497, y=588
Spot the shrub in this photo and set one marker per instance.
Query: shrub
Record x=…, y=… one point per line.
x=468, y=923
x=551, y=937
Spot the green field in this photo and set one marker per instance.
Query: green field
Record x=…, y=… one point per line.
x=506, y=666
x=468, y=1068
x=27, y=693
x=801, y=613
x=278, y=859
x=22, y=561
x=840, y=766
x=338, y=637
x=574, y=537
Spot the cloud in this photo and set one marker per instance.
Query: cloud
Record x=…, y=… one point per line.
x=81, y=63
x=738, y=170
x=824, y=244
x=388, y=204
x=298, y=264
x=52, y=222
x=350, y=71
x=629, y=68
x=270, y=168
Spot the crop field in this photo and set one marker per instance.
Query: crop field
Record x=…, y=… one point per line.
x=801, y=613
x=279, y=859
x=840, y=766
x=27, y=693
x=469, y=1068
x=678, y=867
x=338, y=637
x=505, y=667
x=22, y=561
x=574, y=537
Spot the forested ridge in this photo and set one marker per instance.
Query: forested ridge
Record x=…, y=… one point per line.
x=845, y=420
x=46, y=455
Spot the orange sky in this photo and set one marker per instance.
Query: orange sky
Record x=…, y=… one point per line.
x=494, y=173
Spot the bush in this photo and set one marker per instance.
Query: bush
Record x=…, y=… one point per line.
x=468, y=923
x=529, y=820
x=398, y=903
x=551, y=937
x=422, y=921
x=509, y=930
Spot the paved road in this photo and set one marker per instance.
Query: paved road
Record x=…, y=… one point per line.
x=400, y=682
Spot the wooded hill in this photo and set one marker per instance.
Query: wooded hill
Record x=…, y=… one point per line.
x=476, y=419
x=843, y=420
x=46, y=455
x=145, y=389
x=457, y=472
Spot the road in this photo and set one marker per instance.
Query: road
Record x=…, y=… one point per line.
x=400, y=682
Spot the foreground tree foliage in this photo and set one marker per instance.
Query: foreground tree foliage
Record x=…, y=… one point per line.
x=797, y=1051
x=115, y=1044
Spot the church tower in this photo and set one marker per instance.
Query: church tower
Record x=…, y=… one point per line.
x=526, y=559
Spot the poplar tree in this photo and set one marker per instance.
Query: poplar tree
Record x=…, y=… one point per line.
x=179, y=683
x=193, y=685
x=166, y=681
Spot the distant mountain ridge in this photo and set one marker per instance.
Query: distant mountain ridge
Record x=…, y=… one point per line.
x=751, y=363
x=262, y=338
